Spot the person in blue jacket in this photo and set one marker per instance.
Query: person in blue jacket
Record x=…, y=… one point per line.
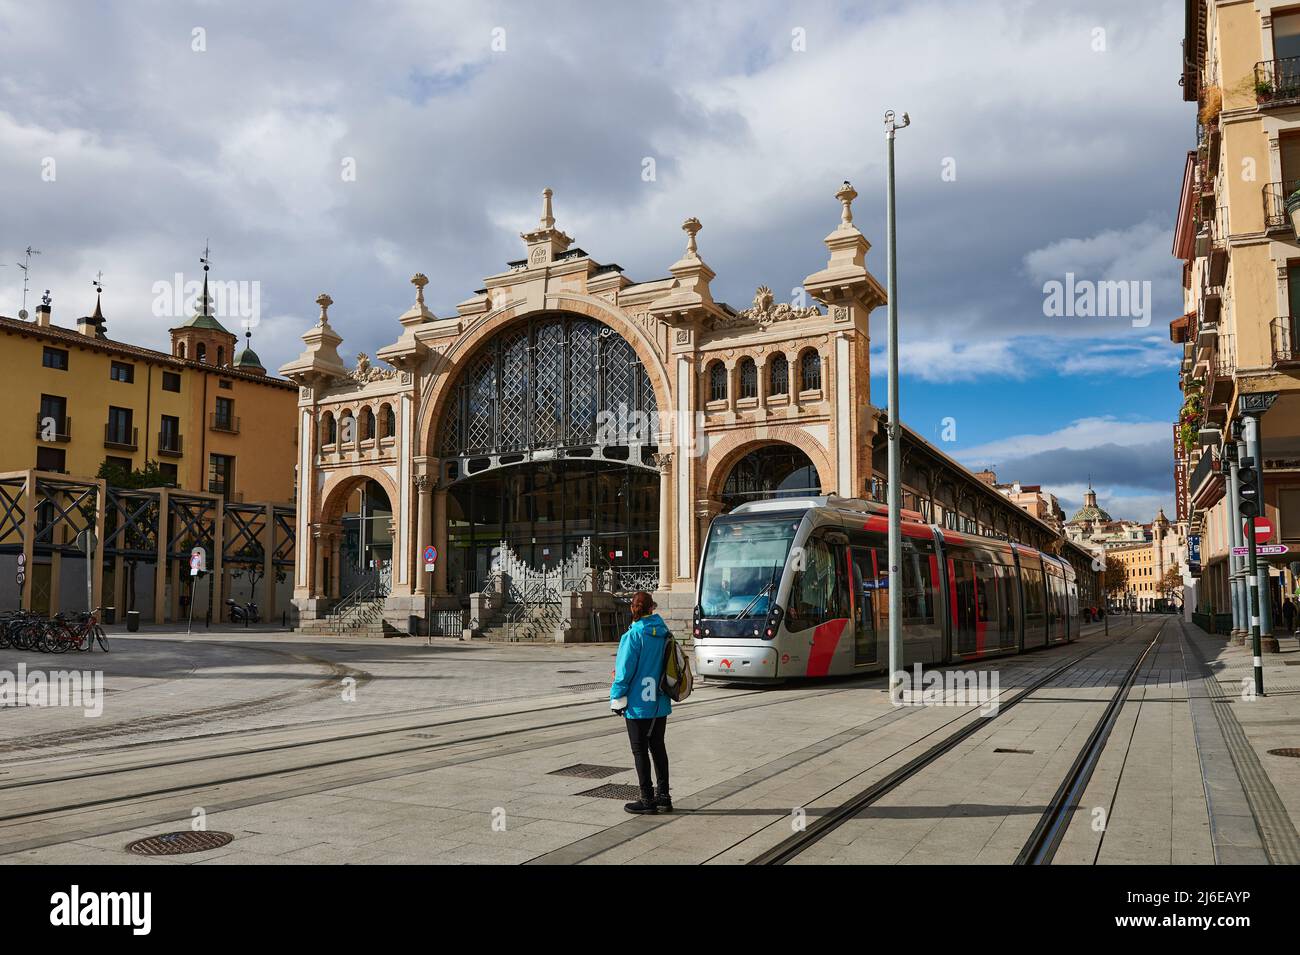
x=636, y=695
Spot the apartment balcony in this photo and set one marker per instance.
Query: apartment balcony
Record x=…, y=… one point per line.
x=1286, y=342
x=1277, y=82
x=1212, y=243
x=1223, y=371
x=1275, y=196
x=121, y=439
x=227, y=423
x=170, y=445
x=62, y=428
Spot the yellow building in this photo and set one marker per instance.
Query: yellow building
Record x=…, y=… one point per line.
x=1141, y=575
x=77, y=398
x=1240, y=244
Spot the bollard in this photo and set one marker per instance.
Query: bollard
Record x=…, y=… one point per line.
x=133, y=621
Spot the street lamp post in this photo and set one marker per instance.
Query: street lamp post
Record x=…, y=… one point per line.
x=894, y=427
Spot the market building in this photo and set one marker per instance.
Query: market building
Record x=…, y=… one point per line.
x=569, y=433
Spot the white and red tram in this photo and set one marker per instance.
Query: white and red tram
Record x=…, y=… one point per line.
x=798, y=587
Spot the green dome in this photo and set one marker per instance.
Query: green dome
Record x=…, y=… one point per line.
x=248, y=359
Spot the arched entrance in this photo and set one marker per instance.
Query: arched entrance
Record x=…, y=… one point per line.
x=774, y=470
x=548, y=440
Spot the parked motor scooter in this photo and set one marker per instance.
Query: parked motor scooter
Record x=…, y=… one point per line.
x=242, y=613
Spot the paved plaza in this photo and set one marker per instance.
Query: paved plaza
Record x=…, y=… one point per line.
x=397, y=751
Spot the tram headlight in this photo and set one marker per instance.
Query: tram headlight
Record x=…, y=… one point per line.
x=773, y=622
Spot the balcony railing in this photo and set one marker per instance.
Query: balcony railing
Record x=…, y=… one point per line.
x=1277, y=82
x=127, y=439
x=1286, y=343
x=62, y=427
x=169, y=444
x=1275, y=196
x=228, y=423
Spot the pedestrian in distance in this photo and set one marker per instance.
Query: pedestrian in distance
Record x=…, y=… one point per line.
x=637, y=695
x=1288, y=614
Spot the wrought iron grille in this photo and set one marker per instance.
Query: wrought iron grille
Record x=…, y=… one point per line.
x=553, y=383
x=810, y=371
x=778, y=382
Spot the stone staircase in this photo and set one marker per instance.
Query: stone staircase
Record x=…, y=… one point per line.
x=527, y=623
x=361, y=615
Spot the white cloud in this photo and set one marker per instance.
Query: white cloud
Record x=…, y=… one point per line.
x=1081, y=434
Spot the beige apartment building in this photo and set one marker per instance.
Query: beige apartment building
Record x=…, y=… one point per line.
x=1241, y=280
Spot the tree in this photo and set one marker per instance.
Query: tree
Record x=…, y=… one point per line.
x=1171, y=585
x=149, y=476
x=1115, y=578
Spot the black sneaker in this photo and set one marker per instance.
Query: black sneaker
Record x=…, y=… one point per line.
x=663, y=801
x=642, y=807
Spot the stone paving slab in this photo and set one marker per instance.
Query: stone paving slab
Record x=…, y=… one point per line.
x=744, y=763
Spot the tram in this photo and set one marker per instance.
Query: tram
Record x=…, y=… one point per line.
x=799, y=587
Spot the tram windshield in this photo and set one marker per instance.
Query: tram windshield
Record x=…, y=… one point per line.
x=743, y=565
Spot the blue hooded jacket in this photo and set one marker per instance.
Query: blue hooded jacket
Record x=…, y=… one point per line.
x=639, y=670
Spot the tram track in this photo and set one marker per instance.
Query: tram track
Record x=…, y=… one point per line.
x=796, y=844
x=45, y=809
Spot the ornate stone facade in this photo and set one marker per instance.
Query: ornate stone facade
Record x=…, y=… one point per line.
x=719, y=384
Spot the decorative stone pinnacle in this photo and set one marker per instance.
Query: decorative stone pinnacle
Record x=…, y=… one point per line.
x=548, y=219
x=846, y=195
x=324, y=301
x=419, y=280
x=691, y=227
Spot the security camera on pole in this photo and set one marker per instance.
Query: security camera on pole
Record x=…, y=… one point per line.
x=895, y=482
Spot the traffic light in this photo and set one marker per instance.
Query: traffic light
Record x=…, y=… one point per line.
x=1247, y=489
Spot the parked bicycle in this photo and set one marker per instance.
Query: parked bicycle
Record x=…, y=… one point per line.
x=24, y=630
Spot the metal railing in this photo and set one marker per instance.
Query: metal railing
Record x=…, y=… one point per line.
x=1286, y=343
x=447, y=623
x=1275, y=196
x=1277, y=81
x=224, y=423
x=169, y=444
x=126, y=438
x=62, y=427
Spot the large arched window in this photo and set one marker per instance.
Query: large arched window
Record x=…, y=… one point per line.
x=388, y=421
x=329, y=429
x=748, y=378
x=556, y=381
x=367, y=424
x=778, y=377
x=776, y=470
x=717, y=381
x=810, y=371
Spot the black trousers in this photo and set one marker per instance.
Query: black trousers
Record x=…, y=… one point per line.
x=647, y=739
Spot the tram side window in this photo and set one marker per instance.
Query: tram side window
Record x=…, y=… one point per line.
x=918, y=586
x=991, y=609
x=819, y=591
x=1032, y=580
x=964, y=605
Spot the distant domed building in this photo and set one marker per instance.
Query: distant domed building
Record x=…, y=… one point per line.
x=1090, y=512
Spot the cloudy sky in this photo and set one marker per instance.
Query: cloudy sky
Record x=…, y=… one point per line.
x=341, y=147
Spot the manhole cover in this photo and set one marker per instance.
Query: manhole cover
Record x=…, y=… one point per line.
x=586, y=686
x=1293, y=751
x=1022, y=752
x=179, y=843
x=613, y=791
x=588, y=771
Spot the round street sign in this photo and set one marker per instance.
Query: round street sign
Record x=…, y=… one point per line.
x=431, y=554
x=1263, y=530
